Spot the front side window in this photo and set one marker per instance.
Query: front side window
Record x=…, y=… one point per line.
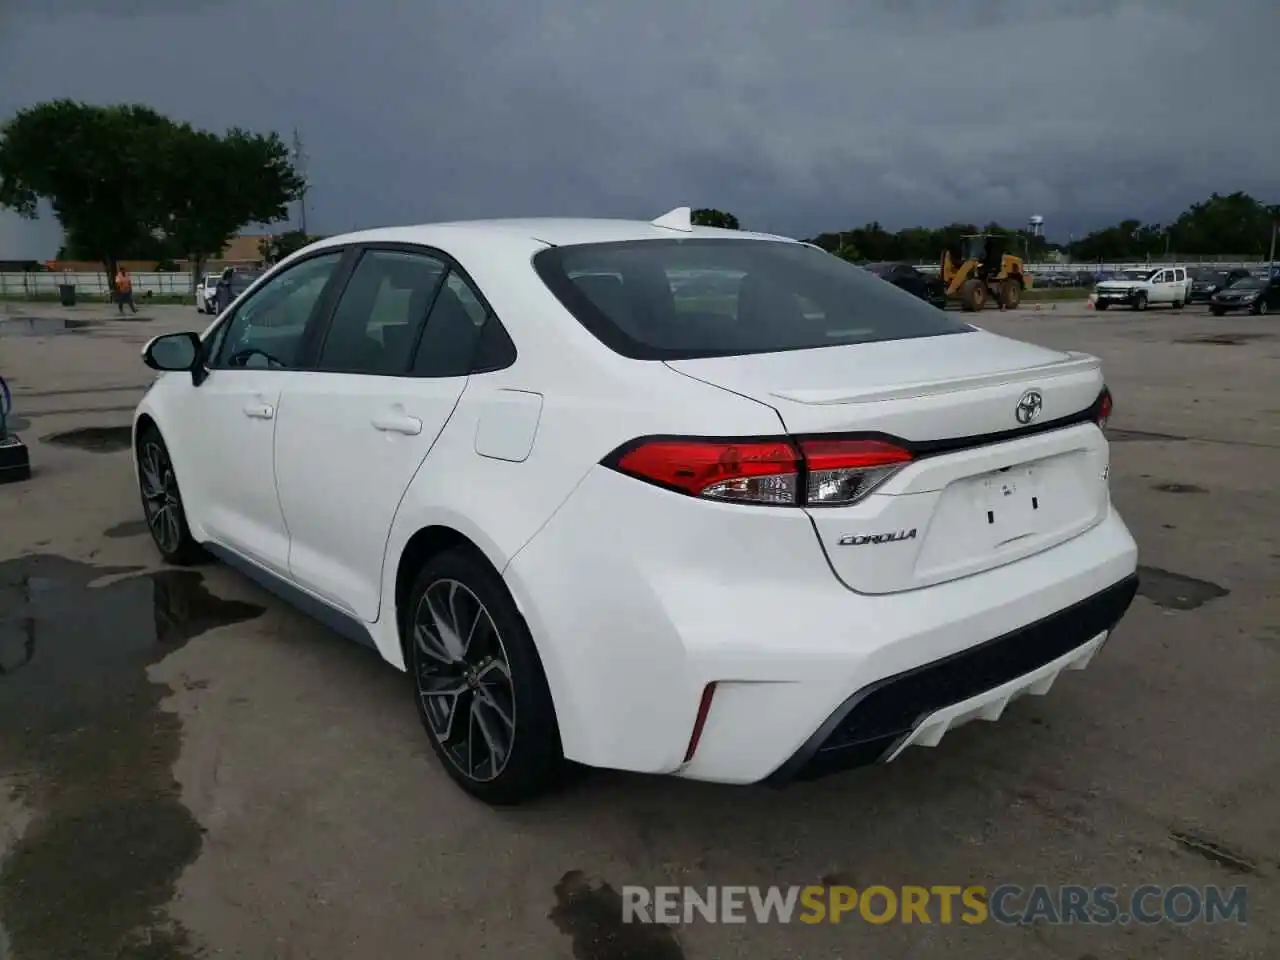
x=674, y=299
x=268, y=329
x=377, y=319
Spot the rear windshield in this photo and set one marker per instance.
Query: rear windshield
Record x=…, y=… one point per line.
x=678, y=299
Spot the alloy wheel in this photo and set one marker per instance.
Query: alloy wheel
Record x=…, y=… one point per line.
x=160, y=500
x=463, y=679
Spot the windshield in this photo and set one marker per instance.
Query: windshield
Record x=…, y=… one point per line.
x=241, y=282
x=678, y=299
x=1133, y=274
x=1249, y=283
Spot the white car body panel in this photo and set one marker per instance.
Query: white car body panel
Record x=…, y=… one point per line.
x=228, y=466
x=638, y=597
x=339, y=508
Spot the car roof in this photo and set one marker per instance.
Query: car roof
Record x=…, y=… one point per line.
x=550, y=231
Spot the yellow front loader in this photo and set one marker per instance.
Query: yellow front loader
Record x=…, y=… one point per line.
x=982, y=270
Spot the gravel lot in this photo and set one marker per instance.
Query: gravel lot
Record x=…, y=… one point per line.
x=187, y=766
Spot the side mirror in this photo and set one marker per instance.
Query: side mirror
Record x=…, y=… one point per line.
x=175, y=352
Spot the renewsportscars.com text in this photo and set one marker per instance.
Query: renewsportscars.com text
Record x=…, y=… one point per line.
x=1007, y=904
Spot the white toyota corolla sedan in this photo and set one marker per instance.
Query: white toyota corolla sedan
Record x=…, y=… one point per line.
x=647, y=496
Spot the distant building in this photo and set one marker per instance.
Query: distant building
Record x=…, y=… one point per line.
x=243, y=249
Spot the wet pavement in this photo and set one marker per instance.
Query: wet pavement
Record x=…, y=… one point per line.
x=189, y=768
x=86, y=745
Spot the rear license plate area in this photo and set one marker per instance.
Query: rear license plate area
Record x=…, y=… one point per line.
x=1012, y=499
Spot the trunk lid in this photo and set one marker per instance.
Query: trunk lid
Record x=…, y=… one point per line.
x=982, y=490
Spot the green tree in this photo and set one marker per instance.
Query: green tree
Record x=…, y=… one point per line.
x=276, y=248
x=215, y=186
x=707, y=217
x=1236, y=223
x=125, y=181
x=95, y=166
x=847, y=251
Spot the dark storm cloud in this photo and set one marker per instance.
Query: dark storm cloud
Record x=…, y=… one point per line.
x=797, y=117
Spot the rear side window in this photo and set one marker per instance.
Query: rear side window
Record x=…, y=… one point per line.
x=380, y=313
x=453, y=331
x=678, y=299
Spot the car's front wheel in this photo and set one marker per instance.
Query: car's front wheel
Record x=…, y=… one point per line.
x=162, y=501
x=479, y=684
x=1140, y=302
x=1217, y=311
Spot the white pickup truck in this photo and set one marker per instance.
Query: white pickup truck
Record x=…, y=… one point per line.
x=206, y=294
x=1139, y=289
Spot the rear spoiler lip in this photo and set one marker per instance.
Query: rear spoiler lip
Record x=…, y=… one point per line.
x=1073, y=365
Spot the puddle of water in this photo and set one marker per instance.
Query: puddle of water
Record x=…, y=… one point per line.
x=130, y=528
x=1178, y=488
x=40, y=326
x=591, y=915
x=1175, y=591
x=83, y=735
x=94, y=439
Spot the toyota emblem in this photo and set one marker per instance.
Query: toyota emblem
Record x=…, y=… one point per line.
x=1029, y=407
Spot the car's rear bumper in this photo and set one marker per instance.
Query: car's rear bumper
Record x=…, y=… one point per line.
x=639, y=599
x=919, y=706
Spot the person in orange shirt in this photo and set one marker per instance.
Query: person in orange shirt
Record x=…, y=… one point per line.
x=124, y=290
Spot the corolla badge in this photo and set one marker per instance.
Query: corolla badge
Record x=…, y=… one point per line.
x=862, y=539
x=1029, y=406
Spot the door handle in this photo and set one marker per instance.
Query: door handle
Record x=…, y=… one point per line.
x=259, y=411
x=398, y=423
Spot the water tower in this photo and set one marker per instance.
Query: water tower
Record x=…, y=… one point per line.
x=1037, y=225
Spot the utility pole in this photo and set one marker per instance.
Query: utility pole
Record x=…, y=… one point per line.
x=300, y=166
x=1275, y=228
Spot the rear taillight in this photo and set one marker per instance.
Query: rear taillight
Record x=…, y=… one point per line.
x=845, y=471
x=1102, y=411
x=781, y=472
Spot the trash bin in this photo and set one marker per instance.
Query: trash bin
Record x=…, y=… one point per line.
x=67, y=294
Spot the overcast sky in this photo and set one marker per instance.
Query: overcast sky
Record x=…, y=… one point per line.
x=798, y=117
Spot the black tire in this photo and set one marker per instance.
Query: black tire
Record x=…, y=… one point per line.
x=973, y=295
x=1101, y=305
x=1217, y=311
x=162, y=507
x=1260, y=308
x=1140, y=302
x=515, y=698
x=1010, y=294
x=1177, y=304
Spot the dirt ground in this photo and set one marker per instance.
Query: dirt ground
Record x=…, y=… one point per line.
x=187, y=767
